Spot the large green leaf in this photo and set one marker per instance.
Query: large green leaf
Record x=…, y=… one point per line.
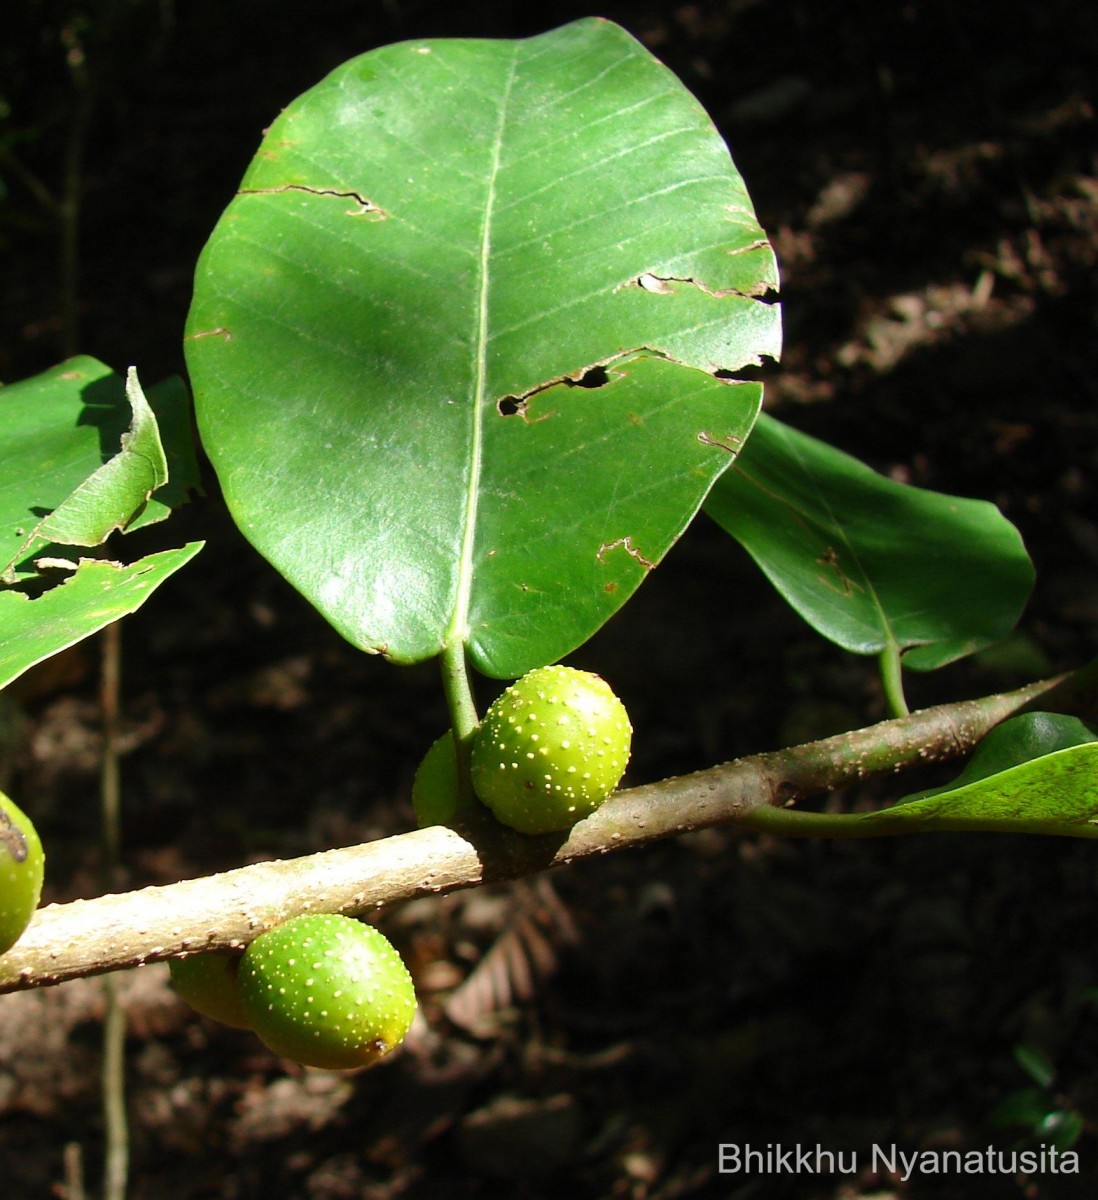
x=396, y=320
x=870, y=563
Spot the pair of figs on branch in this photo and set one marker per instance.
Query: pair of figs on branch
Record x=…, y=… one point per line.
x=325, y=990
x=322, y=989
x=549, y=751
x=332, y=992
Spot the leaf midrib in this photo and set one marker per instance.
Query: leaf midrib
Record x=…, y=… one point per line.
x=458, y=630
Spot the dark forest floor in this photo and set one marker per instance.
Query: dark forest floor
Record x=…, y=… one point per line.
x=929, y=175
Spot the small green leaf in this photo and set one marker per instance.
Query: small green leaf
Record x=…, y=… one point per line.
x=112, y=494
x=1019, y=740
x=80, y=457
x=1036, y=773
x=872, y=564
x=96, y=594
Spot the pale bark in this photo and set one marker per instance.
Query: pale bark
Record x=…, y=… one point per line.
x=225, y=911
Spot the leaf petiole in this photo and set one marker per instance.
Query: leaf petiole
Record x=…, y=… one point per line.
x=463, y=709
x=892, y=680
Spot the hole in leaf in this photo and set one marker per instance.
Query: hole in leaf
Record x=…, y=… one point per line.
x=744, y=374
x=511, y=406
x=593, y=377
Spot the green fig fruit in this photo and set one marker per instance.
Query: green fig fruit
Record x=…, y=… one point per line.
x=550, y=749
x=327, y=991
x=208, y=984
x=22, y=868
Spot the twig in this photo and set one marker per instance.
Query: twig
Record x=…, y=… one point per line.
x=72, y=1158
x=113, y=1072
x=116, y=1165
x=226, y=911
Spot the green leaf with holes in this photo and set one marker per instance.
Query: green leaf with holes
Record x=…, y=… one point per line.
x=83, y=453
x=465, y=344
x=872, y=564
x=93, y=595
